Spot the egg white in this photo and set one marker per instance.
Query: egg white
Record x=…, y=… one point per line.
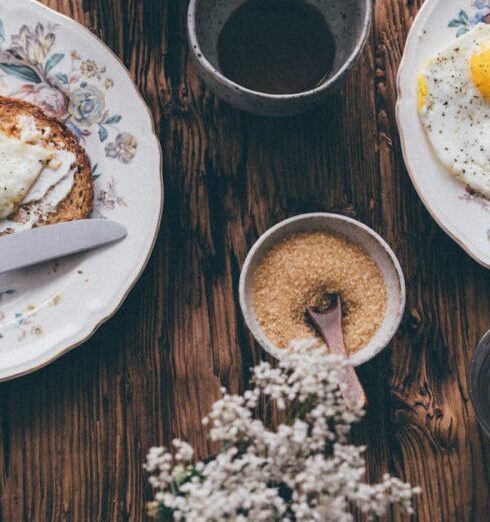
x=455, y=114
x=20, y=167
x=33, y=172
x=52, y=174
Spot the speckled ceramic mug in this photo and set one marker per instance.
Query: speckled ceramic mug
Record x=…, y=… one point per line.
x=348, y=20
x=357, y=233
x=479, y=378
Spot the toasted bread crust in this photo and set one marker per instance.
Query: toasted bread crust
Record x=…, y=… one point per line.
x=79, y=202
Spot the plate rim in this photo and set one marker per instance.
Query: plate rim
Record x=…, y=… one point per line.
x=462, y=242
x=110, y=310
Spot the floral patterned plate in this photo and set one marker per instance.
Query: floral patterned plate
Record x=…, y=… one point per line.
x=52, y=61
x=463, y=215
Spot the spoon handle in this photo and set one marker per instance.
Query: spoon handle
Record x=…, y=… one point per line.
x=329, y=324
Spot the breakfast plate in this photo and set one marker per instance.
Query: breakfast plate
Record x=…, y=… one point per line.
x=55, y=63
x=460, y=212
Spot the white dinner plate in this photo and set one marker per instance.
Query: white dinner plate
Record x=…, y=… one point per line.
x=464, y=216
x=54, y=62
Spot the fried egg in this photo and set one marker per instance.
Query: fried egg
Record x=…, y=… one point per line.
x=454, y=106
x=20, y=166
x=31, y=170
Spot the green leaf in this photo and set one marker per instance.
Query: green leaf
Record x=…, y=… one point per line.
x=6, y=292
x=463, y=16
x=53, y=61
x=63, y=78
x=165, y=513
x=114, y=119
x=461, y=31
x=455, y=23
x=103, y=134
x=22, y=72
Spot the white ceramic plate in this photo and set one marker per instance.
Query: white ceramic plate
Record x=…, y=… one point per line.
x=465, y=217
x=54, y=62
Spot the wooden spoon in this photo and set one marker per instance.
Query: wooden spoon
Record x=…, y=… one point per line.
x=329, y=324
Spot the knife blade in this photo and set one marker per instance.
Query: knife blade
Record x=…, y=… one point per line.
x=41, y=244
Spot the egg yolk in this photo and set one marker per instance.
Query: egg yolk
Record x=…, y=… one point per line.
x=423, y=90
x=480, y=71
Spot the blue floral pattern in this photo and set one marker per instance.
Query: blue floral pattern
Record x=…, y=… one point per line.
x=5, y=293
x=70, y=88
x=50, y=62
x=124, y=148
x=463, y=22
x=23, y=322
x=87, y=105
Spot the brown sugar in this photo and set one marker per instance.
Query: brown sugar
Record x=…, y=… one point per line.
x=300, y=270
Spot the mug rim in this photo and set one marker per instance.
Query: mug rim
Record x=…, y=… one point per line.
x=349, y=62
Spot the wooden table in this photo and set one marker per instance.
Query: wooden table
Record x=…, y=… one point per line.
x=74, y=435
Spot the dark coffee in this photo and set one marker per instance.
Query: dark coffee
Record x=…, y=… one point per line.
x=276, y=46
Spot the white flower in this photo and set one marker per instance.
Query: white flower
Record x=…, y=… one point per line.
x=33, y=45
x=303, y=471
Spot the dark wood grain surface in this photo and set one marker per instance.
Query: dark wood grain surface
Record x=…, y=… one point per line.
x=73, y=436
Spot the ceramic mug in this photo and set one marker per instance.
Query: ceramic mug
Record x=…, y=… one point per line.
x=348, y=20
x=479, y=377
x=357, y=233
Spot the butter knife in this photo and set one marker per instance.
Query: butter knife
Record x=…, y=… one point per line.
x=41, y=244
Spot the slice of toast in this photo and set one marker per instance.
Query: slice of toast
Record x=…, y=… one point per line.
x=79, y=202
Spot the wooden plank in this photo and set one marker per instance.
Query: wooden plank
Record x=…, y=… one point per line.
x=74, y=435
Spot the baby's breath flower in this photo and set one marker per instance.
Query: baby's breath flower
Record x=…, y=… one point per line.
x=304, y=470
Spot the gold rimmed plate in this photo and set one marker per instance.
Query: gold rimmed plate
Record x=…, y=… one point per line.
x=54, y=62
x=463, y=215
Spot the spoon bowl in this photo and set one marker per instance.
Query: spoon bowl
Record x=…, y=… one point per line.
x=328, y=322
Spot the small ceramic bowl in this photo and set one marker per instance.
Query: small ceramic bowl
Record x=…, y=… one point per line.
x=348, y=20
x=359, y=234
x=480, y=382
